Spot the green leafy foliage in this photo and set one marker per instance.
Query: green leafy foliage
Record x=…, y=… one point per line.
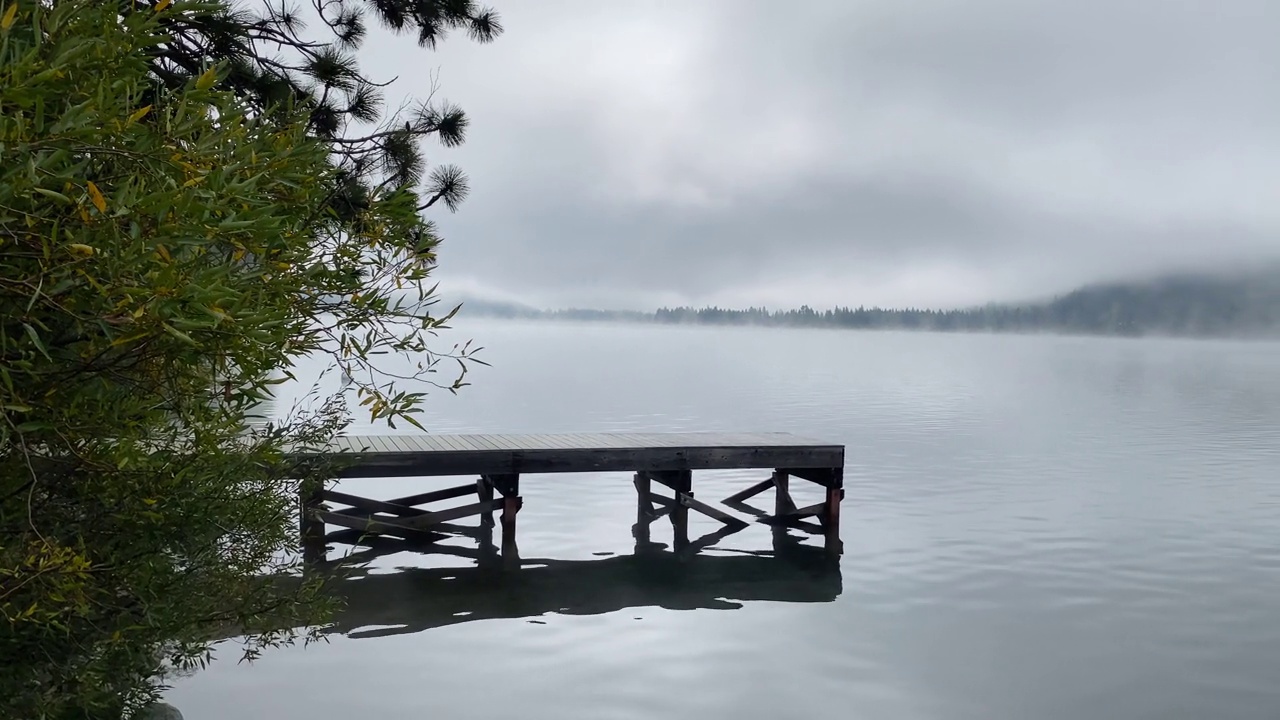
x=169, y=244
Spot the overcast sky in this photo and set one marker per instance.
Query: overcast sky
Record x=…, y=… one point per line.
x=891, y=152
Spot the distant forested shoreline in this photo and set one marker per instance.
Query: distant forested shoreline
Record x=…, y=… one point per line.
x=1193, y=306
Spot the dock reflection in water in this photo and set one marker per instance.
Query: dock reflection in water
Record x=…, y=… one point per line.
x=410, y=600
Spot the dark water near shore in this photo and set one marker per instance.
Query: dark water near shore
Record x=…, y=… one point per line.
x=1035, y=527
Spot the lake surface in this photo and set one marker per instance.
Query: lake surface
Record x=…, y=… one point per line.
x=1035, y=527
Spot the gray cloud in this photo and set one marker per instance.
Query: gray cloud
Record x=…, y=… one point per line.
x=926, y=152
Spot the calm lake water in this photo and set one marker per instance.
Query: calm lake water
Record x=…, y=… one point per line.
x=1035, y=527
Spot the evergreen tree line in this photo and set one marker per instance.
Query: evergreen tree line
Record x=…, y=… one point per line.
x=1246, y=305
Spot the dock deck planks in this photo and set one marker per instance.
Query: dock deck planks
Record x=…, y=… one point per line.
x=436, y=455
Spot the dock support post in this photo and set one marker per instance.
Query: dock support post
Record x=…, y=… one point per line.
x=782, y=502
x=644, y=511
x=681, y=484
x=831, y=512
x=311, y=528
x=509, y=487
x=484, y=494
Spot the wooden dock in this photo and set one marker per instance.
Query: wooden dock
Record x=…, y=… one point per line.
x=499, y=462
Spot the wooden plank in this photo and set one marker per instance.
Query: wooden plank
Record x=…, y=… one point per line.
x=751, y=491
x=465, y=442
x=600, y=440
x=439, y=442
x=613, y=440
x=665, y=507
x=499, y=454
x=557, y=442
x=418, y=443
x=402, y=443
x=439, y=516
x=569, y=461
x=471, y=442
x=449, y=442
x=435, y=495
x=670, y=480
x=745, y=508
x=830, y=476
x=489, y=442
x=711, y=512
x=377, y=444
x=624, y=440
x=454, y=442
x=661, y=500
x=364, y=504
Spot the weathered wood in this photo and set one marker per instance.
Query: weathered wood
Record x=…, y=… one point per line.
x=782, y=502
x=656, y=513
x=671, y=479
x=398, y=506
x=509, y=487
x=436, y=517
x=498, y=460
x=751, y=491
x=682, y=485
x=831, y=519
x=467, y=455
x=644, y=501
x=484, y=492
x=712, y=512
x=744, y=508
x=830, y=476
x=362, y=504
x=435, y=495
